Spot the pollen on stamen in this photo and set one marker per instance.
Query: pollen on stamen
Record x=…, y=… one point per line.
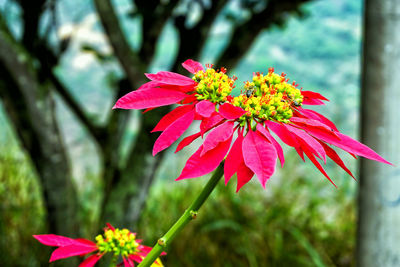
x=213, y=85
x=268, y=97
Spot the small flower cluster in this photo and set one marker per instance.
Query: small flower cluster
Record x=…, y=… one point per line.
x=268, y=104
x=121, y=243
x=213, y=85
x=269, y=97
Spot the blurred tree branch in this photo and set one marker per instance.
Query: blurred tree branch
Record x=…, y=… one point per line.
x=30, y=106
x=125, y=186
x=244, y=35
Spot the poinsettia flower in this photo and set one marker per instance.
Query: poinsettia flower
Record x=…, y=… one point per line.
x=118, y=242
x=268, y=104
x=198, y=95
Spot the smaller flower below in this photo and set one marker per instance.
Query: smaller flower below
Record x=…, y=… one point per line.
x=116, y=241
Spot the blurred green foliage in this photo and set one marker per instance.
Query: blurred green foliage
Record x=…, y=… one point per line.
x=21, y=207
x=300, y=220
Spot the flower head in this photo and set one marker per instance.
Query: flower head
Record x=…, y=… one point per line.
x=269, y=104
x=268, y=97
x=198, y=97
x=240, y=129
x=119, y=242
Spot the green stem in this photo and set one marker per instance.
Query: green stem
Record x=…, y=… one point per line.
x=186, y=217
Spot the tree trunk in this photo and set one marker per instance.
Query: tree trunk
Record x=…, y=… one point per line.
x=30, y=106
x=379, y=197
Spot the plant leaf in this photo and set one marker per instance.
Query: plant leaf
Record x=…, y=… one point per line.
x=187, y=141
x=230, y=112
x=272, y=140
x=220, y=134
x=149, y=98
x=71, y=250
x=260, y=156
x=205, y=108
x=170, y=78
x=172, y=116
x=54, y=240
x=192, y=66
x=91, y=260
x=234, y=158
x=173, y=132
x=200, y=165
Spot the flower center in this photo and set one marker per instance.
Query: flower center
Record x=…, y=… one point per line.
x=269, y=97
x=120, y=242
x=213, y=85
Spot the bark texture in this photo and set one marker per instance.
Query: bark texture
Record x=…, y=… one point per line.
x=379, y=195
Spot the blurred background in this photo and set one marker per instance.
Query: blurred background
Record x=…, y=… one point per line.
x=69, y=164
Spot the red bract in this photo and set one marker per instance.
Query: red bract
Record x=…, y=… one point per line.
x=199, y=97
x=129, y=248
x=270, y=105
x=267, y=105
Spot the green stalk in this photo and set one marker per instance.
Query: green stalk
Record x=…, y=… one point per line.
x=186, y=217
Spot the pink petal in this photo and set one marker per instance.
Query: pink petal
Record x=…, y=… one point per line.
x=84, y=242
x=200, y=165
x=150, y=85
x=173, y=132
x=234, y=158
x=272, y=140
x=71, y=250
x=316, y=116
x=136, y=258
x=352, y=146
x=184, y=89
x=170, y=78
x=313, y=95
x=91, y=261
x=335, y=157
x=187, y=141
x=259, y=155
x=284, y=134
x=220, y=134
x=205, y=108
x=299, y=151
x=317, y=164
x=110, y=226
x=312, y=102
x=172, y=116
x=209, y=123
x=311, y=123
x=244, y=175
x=127, y=262
x=192, y=66
x=190, y=99
x=54, y=240
x=309, y=141
x=230, y=112
x=149, y=98
x=147, y=110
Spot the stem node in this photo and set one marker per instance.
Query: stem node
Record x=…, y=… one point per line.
x=162, y=242
x=187, y=216
x=193, y=214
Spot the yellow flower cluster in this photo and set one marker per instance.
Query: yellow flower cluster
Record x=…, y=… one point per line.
x=120, y=242
x=269, y=97
x=213, y=85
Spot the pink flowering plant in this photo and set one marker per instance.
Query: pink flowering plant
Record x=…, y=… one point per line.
x=239, y=136
x=121, y=243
